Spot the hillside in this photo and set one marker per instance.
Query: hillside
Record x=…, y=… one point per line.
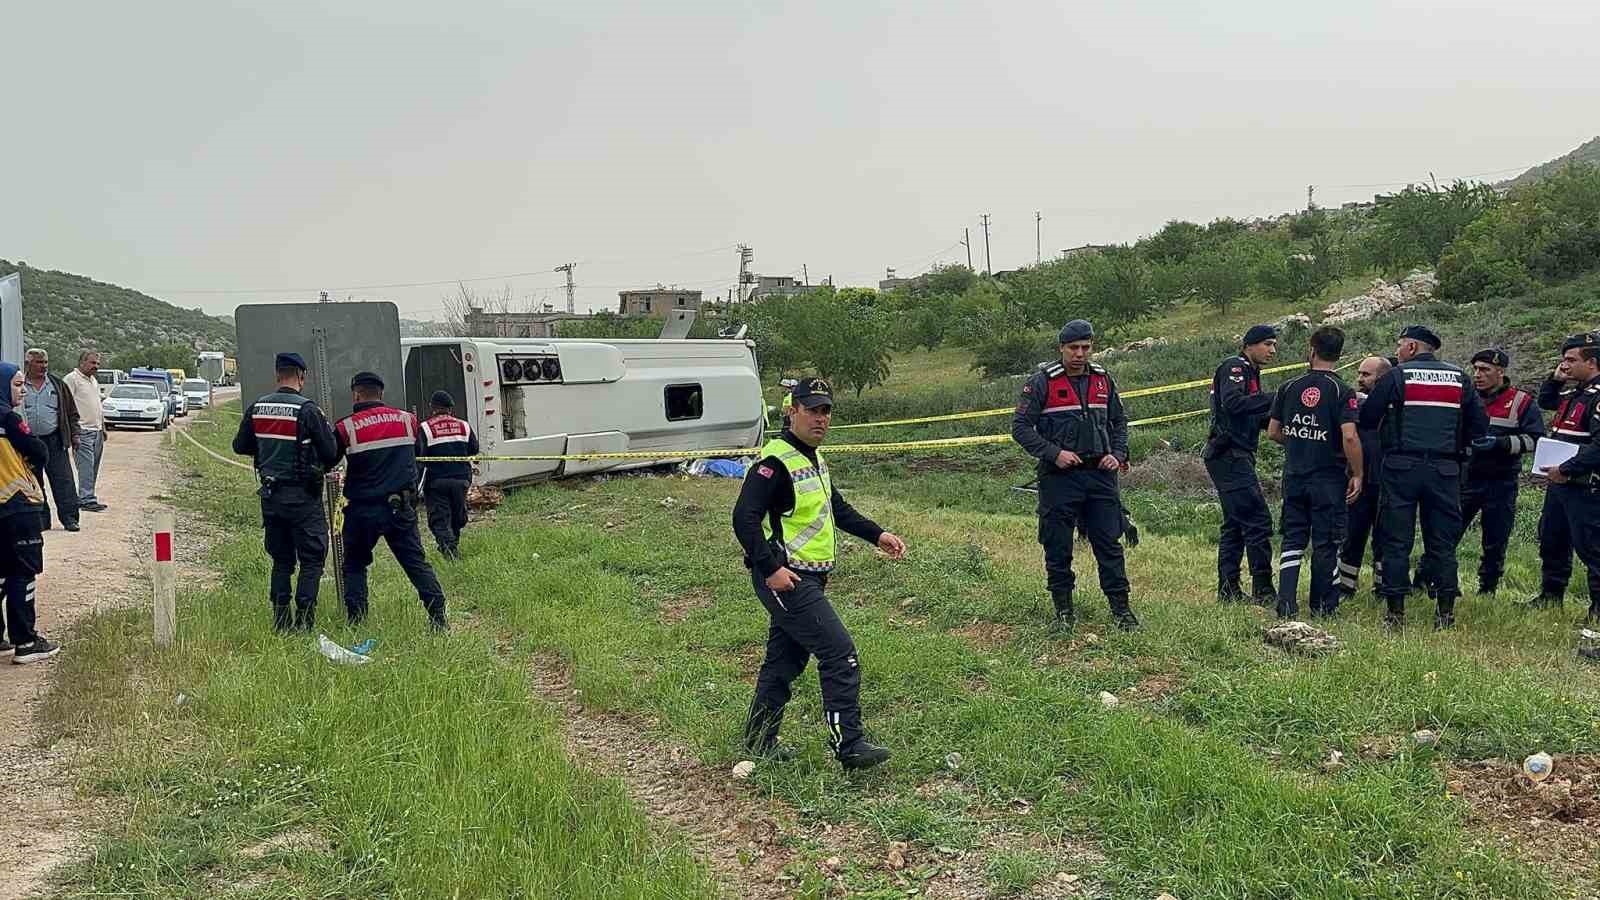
x=64, y=313
x=1587, y=153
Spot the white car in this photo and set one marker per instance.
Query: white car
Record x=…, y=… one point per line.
x=133, y=403
x=109, y=378
x=196, y=393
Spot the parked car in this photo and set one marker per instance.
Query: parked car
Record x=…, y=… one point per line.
x=136, y=403
x=109, y=378
x=197, y=393
x=171, y=390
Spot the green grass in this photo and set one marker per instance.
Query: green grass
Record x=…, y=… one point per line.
x=1204, y=782
x=429, y=773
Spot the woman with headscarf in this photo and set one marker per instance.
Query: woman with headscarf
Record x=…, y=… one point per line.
x=21, y=503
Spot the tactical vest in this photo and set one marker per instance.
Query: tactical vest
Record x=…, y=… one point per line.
x=1077, y=423
x=16, y=478
x=280, y=455
x=1570, y=423
x=807, y=530
x=1505, y=409
x=446, y=435
x=1428, y=407
x=381, y=444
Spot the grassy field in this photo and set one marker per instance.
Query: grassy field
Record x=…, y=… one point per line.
x=439, y=772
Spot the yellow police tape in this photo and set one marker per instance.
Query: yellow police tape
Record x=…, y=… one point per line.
x=888, y=447
x=1007, y=410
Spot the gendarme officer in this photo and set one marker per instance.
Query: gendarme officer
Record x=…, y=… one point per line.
x=1071, y=420
x=1432, y=414
x=1572, y=502
x=293, y=449
x=1239, y=413
x=1490, y=487
x=444, y=484
x=380, y=483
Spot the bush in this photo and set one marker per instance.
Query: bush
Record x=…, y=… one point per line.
x=1012, y=353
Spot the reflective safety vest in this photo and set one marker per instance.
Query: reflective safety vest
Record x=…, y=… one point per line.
x=1075, y=423
x=1429, y=401
x=381, y=443
x=16, y=478
x=807, y=530
x=275, y=419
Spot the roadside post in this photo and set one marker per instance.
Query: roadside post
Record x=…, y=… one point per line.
x=164, y=577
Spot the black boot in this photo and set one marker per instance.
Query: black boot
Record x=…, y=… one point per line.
x=281, y=620
x=1444, y=615
x=1066, y=616
x=761, y=730
x=1395, y=615
x=1488, y=586
x=1228, y=591
x=863, y=754
x=305, y=618
x=1122, y=614
x=1262, y=591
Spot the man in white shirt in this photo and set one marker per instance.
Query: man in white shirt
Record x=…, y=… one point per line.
x=85, y=388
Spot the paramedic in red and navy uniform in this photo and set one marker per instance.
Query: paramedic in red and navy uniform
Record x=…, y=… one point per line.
x=293, y=447
x=1433, y=415
x=1071, y=420
x=380, y=484
x=444, y=484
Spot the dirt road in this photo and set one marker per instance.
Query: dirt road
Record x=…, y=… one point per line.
x=102, y=565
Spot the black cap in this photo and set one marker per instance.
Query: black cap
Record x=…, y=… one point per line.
x=1493, y=357
x=1581, y=341
x=812, y=392
x=1076, y=330
x=1421, y=333
x=1259, y=333
x=289, y=361
x=367, y=379
x=443, y=400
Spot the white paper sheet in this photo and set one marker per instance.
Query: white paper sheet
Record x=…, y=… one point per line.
x=1549, y=452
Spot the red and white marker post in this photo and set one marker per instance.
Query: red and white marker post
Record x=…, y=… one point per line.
x=164, y=576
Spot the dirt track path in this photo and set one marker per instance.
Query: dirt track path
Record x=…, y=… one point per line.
x=103, y=565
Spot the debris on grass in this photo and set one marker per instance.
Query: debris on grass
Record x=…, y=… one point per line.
x=1425, y=737
x=484, y=497
x=1108, y=700
x=744, y=770
x=1298, y=637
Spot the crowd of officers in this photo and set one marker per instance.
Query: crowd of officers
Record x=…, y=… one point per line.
x=1421, y=441
x=294, y=448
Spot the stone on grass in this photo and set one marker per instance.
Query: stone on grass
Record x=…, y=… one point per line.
x=744, y=770
x=1109, y=700
x=1298, y=637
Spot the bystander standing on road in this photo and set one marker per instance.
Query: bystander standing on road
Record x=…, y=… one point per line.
x=85, y=389
x=53, y=418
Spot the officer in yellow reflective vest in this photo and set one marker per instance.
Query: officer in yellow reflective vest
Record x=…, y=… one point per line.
x=787, y=519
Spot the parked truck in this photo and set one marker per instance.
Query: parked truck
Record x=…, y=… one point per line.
x=212, y=366
x=230, y=370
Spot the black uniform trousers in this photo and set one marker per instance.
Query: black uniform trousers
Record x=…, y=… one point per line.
x=1363, y=520
x=1314, y=515
x=803, y=624
x=1417, y=486
x=1246, y=522
x=57, y=472
x=1083, y=498
x=447, y=512
x=296, y=526
x=1496, y=500
x=1570, y=523
x=21, y=561
x=365, y=522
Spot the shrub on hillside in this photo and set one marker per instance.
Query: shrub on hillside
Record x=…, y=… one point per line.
x=1546, y=231
x=1012, y=353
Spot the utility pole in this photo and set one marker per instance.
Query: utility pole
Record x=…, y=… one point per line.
x=572, y=307
x=746, y=256
x=1311, y=197
x=805, y=275
x=1038, y=220
x=988, y=266
x=966, y=241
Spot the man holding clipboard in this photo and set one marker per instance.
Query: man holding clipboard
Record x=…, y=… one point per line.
x=1570, y=521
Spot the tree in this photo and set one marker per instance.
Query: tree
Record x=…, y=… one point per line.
x=1174, y=243
x=162, y=356
x=1116, y=288
x=1218, y=277
x=848, y=339
x=1417, y=224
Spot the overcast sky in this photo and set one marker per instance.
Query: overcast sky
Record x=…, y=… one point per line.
x=215, y=153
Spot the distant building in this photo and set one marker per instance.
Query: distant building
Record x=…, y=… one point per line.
x=513, y=324
x=1084, y=250
x=779, y=286
x=656, y=302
